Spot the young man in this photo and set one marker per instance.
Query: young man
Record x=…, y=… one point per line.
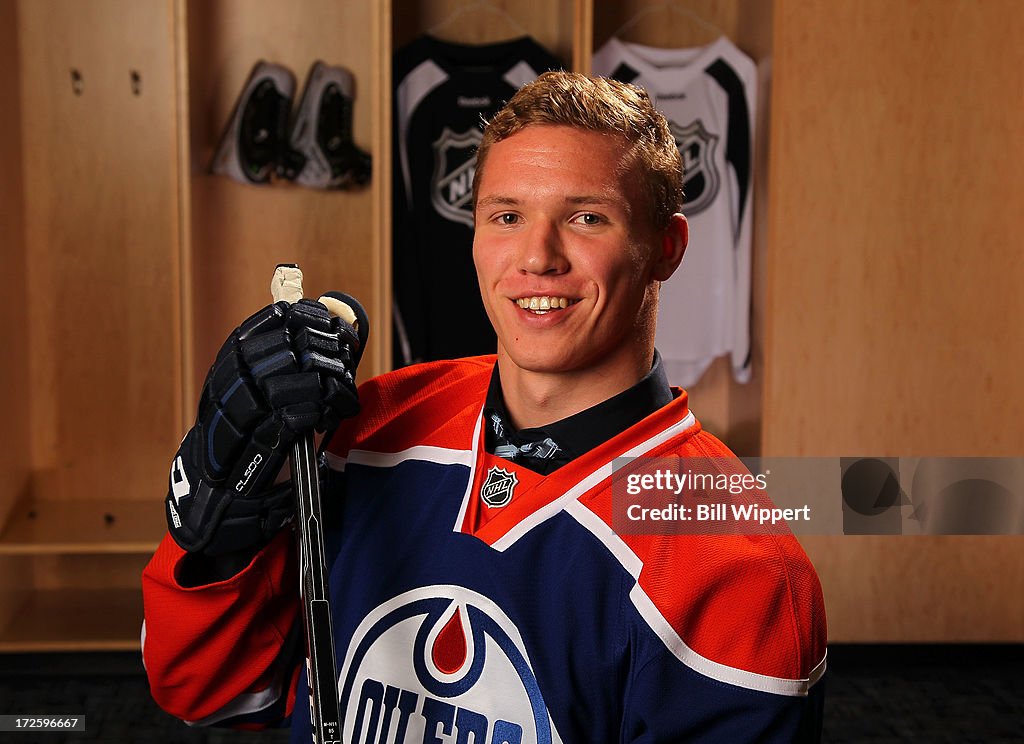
x=479, y=590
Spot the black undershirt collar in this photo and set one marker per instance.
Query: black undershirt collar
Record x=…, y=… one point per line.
x=578, y=434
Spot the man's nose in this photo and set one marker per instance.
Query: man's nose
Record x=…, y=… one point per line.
x=542, y=251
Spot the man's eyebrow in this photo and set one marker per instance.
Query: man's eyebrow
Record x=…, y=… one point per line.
x=593, y=199
x=511, y=201
x=493, y=201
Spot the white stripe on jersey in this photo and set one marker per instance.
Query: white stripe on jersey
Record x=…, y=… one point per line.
x=424, y=453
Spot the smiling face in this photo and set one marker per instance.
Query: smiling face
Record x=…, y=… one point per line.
x=567, y=259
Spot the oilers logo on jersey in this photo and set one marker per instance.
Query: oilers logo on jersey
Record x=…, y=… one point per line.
x=701, y=180
x=454, y=165
x=467, y=674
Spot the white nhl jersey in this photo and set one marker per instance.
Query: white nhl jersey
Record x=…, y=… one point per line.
x=708, y=95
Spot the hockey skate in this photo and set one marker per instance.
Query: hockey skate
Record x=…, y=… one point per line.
x=321, y=153
x=253, y=142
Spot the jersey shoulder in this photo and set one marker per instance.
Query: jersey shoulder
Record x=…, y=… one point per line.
x=747, y=602
x=435, y=404
x=743, y=602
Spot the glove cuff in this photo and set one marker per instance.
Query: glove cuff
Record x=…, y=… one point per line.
x=202, y=517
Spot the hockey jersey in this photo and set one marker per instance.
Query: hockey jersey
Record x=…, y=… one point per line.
x=527, y=621
x=708, y=95
x=443, y=91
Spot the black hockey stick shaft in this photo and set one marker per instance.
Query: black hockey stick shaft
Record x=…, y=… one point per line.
x=321, y=668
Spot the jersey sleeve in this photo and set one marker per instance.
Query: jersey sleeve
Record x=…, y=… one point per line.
x=227, y=653
x=732, y=651
x=669, y=702
x=726, y=632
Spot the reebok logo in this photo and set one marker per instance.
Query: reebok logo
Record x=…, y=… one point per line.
x=473, y=102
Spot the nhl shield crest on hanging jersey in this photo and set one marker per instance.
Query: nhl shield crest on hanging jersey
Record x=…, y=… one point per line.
x=451, y=189
x=701, y=178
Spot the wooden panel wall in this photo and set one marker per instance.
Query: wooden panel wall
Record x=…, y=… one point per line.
x=894, y=306
x=240, y=231
x=101, y=234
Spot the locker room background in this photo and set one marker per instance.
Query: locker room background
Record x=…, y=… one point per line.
x=887, y=264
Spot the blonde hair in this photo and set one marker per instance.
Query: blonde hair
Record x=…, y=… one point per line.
x=600, y=105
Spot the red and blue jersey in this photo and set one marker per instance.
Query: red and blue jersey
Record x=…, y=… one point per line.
x=478, y=601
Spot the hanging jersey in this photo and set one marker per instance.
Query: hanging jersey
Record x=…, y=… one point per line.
x=708, y=95
x=443, y=92
x=472, y=596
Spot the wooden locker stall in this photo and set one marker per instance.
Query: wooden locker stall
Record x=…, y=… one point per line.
x=732, y=411
x=572, y=30
x=95, y=241
x=893, y=306
x=239, y=232
x=136, y=262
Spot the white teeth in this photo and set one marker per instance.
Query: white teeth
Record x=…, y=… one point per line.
x=543, y=304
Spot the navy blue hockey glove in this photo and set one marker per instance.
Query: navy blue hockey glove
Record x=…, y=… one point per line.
x=286, y=371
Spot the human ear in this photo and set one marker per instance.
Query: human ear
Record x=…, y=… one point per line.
x=674, y=239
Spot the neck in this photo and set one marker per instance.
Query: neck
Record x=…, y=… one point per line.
x=535, y=399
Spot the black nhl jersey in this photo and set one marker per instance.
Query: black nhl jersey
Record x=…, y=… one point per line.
x=443, y=92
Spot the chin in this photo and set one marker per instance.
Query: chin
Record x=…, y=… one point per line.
x=542, y=360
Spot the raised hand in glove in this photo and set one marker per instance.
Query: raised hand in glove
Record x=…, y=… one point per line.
x=286, y=371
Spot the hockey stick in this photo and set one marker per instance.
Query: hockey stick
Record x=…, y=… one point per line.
x=321, y=669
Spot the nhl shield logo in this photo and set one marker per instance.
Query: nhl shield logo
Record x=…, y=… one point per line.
x=497, y=489
x=701, y=180
x=451, y=192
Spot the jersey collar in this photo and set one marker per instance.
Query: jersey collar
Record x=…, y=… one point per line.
x=580, y=433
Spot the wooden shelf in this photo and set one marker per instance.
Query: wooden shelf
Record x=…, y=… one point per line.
x=39, y=526
x=75, y=620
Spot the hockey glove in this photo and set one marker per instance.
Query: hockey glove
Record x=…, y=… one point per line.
x=286, y=371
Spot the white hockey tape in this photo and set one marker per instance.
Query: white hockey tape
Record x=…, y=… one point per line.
x=341, y=309
x=287, y=283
